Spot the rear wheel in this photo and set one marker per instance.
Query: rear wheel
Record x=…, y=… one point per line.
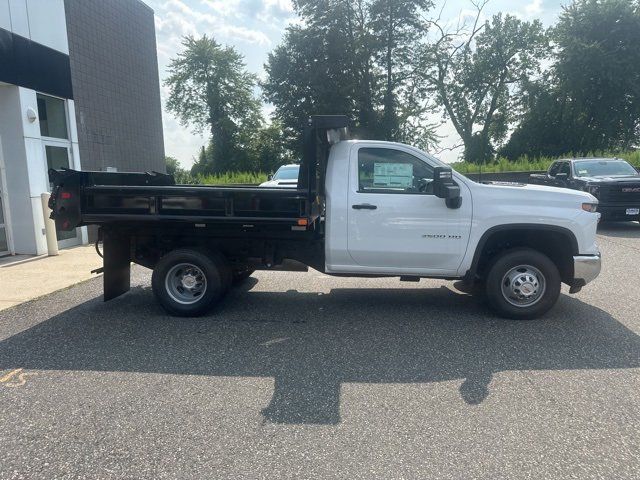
x=188, y=282
x=522, y=284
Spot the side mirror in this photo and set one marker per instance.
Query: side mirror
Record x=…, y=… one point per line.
x=445, y=187
x=562, y=177
x=270, y=176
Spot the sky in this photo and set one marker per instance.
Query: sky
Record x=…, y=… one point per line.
x=256, y=27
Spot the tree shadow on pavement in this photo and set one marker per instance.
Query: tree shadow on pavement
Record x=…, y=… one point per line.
x=312, y=343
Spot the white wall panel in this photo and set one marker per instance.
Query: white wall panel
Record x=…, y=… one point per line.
x=19, y=17
x=76, y=164
x=5, y=17
x=38, y=224
x=73, y=125
x=47, y=23
x=22, y=226
x=37, y=166
x=28, y=99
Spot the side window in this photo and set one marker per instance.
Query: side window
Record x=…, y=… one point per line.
x=565, y=168
x=385, y=170
x=553, y=170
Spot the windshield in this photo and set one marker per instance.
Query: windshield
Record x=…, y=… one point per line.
x=287, y=173
x=604, y=168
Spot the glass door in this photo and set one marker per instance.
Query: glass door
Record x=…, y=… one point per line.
x=58, y=156
x=54, y=129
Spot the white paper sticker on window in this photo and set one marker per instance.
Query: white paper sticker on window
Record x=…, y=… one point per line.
x=392, y=175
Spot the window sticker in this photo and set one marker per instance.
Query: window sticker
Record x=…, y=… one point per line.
x=583, y=172
x=392, y=175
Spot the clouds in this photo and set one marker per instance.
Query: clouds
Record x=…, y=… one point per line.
x=533, y=9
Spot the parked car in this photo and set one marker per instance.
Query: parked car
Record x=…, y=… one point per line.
x=365, y=208
x=285, y=177
x=614, y=182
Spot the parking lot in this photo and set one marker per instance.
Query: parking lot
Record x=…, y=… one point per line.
x=309, y=376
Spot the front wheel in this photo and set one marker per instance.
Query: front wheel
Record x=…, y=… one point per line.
x=188, y=282
x=522, y=284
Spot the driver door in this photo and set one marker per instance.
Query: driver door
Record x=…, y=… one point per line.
x=395, y=222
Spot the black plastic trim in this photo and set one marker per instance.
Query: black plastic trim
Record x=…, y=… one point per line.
x=28, y=64
x=471, y=273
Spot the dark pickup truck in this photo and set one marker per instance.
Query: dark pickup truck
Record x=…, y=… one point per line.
x=614, y=182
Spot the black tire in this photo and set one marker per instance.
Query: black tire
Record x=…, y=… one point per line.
x=239, y=276
x=211, y=266
x=506, y=263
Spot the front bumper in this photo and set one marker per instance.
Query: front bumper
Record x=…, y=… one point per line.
x=617, y=212
x=585, y=269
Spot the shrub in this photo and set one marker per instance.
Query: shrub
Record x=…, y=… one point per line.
x=230, y=178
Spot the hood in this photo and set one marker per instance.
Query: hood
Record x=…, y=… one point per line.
x=279, y=184
x=629, y=179
x=536, y=194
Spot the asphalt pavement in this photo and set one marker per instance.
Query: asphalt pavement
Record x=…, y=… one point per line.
x=300, y=375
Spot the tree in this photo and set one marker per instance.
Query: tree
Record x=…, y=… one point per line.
x=476, y=75
x=396, y=26
x=179, y=174
x=270, y=149
x=350, y=57
x=171, y=164
x=209, y=87
x=592, y=100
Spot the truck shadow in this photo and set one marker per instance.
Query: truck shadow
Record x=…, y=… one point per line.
x=620, y=229
x=312, y=343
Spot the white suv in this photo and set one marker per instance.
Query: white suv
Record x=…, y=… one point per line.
x=285, y=177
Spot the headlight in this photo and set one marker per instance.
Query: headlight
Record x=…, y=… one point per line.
x=593, y=190
x=590, y=207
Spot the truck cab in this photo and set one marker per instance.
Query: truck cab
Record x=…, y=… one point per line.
x=360, y=208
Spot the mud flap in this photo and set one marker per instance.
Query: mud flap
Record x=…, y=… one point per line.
x=116, y=264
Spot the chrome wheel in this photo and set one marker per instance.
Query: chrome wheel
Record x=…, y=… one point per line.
x=185, y=283
x=523, y=286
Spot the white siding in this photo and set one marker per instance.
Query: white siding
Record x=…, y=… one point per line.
x=47, y=23
x=22, y=221
x=43, y=21
x=5, y=17
x=19, y=18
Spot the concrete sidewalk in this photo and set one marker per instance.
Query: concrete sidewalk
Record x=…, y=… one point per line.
x=34, y=277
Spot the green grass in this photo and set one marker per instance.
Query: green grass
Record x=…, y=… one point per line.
x=228, y=178
x=526, y=164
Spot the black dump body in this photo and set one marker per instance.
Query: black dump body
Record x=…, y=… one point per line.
x=135, y=199
x=141, y=216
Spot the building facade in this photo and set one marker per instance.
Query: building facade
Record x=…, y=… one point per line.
x=78, y=89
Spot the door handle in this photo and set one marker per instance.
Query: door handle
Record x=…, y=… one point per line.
x=364, y=206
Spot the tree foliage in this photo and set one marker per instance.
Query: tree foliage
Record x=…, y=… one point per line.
x=349, y=57
x=209, y=87
x=591, y=100
x=390, y=67
x=476, y=75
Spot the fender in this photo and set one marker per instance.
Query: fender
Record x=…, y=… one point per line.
x=471, y=273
